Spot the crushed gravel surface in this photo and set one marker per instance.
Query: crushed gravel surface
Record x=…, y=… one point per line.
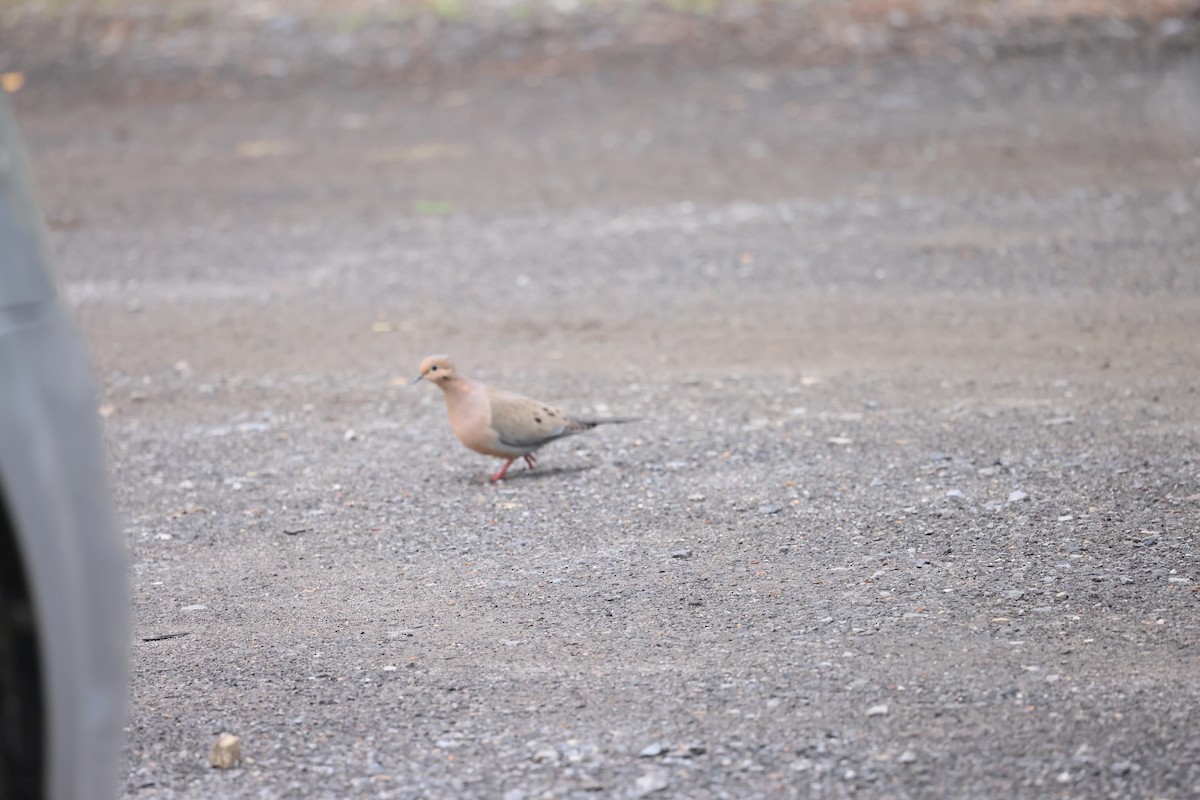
x=912, y=511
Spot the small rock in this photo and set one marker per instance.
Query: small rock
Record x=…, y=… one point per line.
x=1150, y=541
x=907, y=757
x=955, y=493
x=546, y=754
x=652, y=750
x=1120, y=768
x=684, y=553
x=349, y=435
x=880, y=710
x=770, y=508
x=653, y=781
x=1017, y=496
x=697, y=749
x=1014, y=594
x=226, y=752
x=1172, y=26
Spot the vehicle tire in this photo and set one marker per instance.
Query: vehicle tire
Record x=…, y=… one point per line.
x=21, y=725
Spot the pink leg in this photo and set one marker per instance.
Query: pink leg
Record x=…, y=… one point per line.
x=499, y=476
x=531, y=460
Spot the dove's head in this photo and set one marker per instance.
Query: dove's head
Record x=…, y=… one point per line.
x=438, y=370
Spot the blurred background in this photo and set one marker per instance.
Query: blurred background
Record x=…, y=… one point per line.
x=216, y=44
x=243, y=150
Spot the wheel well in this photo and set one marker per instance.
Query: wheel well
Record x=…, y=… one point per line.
x=22, y=734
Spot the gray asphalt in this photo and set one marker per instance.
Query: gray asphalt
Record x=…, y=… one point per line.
x=912, y=511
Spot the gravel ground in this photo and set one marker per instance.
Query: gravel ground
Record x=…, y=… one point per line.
x=912, y=510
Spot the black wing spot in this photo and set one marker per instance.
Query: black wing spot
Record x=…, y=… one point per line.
x=537, y=419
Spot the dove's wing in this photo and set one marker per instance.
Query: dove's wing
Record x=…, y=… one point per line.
x=523, y=422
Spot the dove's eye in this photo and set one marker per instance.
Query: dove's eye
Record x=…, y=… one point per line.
x=433, y=368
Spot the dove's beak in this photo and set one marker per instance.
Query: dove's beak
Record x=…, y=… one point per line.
x=416, y=380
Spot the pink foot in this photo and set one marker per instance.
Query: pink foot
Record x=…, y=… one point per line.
x=531, y=460
x=499, y=476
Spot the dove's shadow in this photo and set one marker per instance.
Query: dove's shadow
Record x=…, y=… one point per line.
x=539, y=474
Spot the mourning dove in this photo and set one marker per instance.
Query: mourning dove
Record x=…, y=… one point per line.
x=499, y=423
